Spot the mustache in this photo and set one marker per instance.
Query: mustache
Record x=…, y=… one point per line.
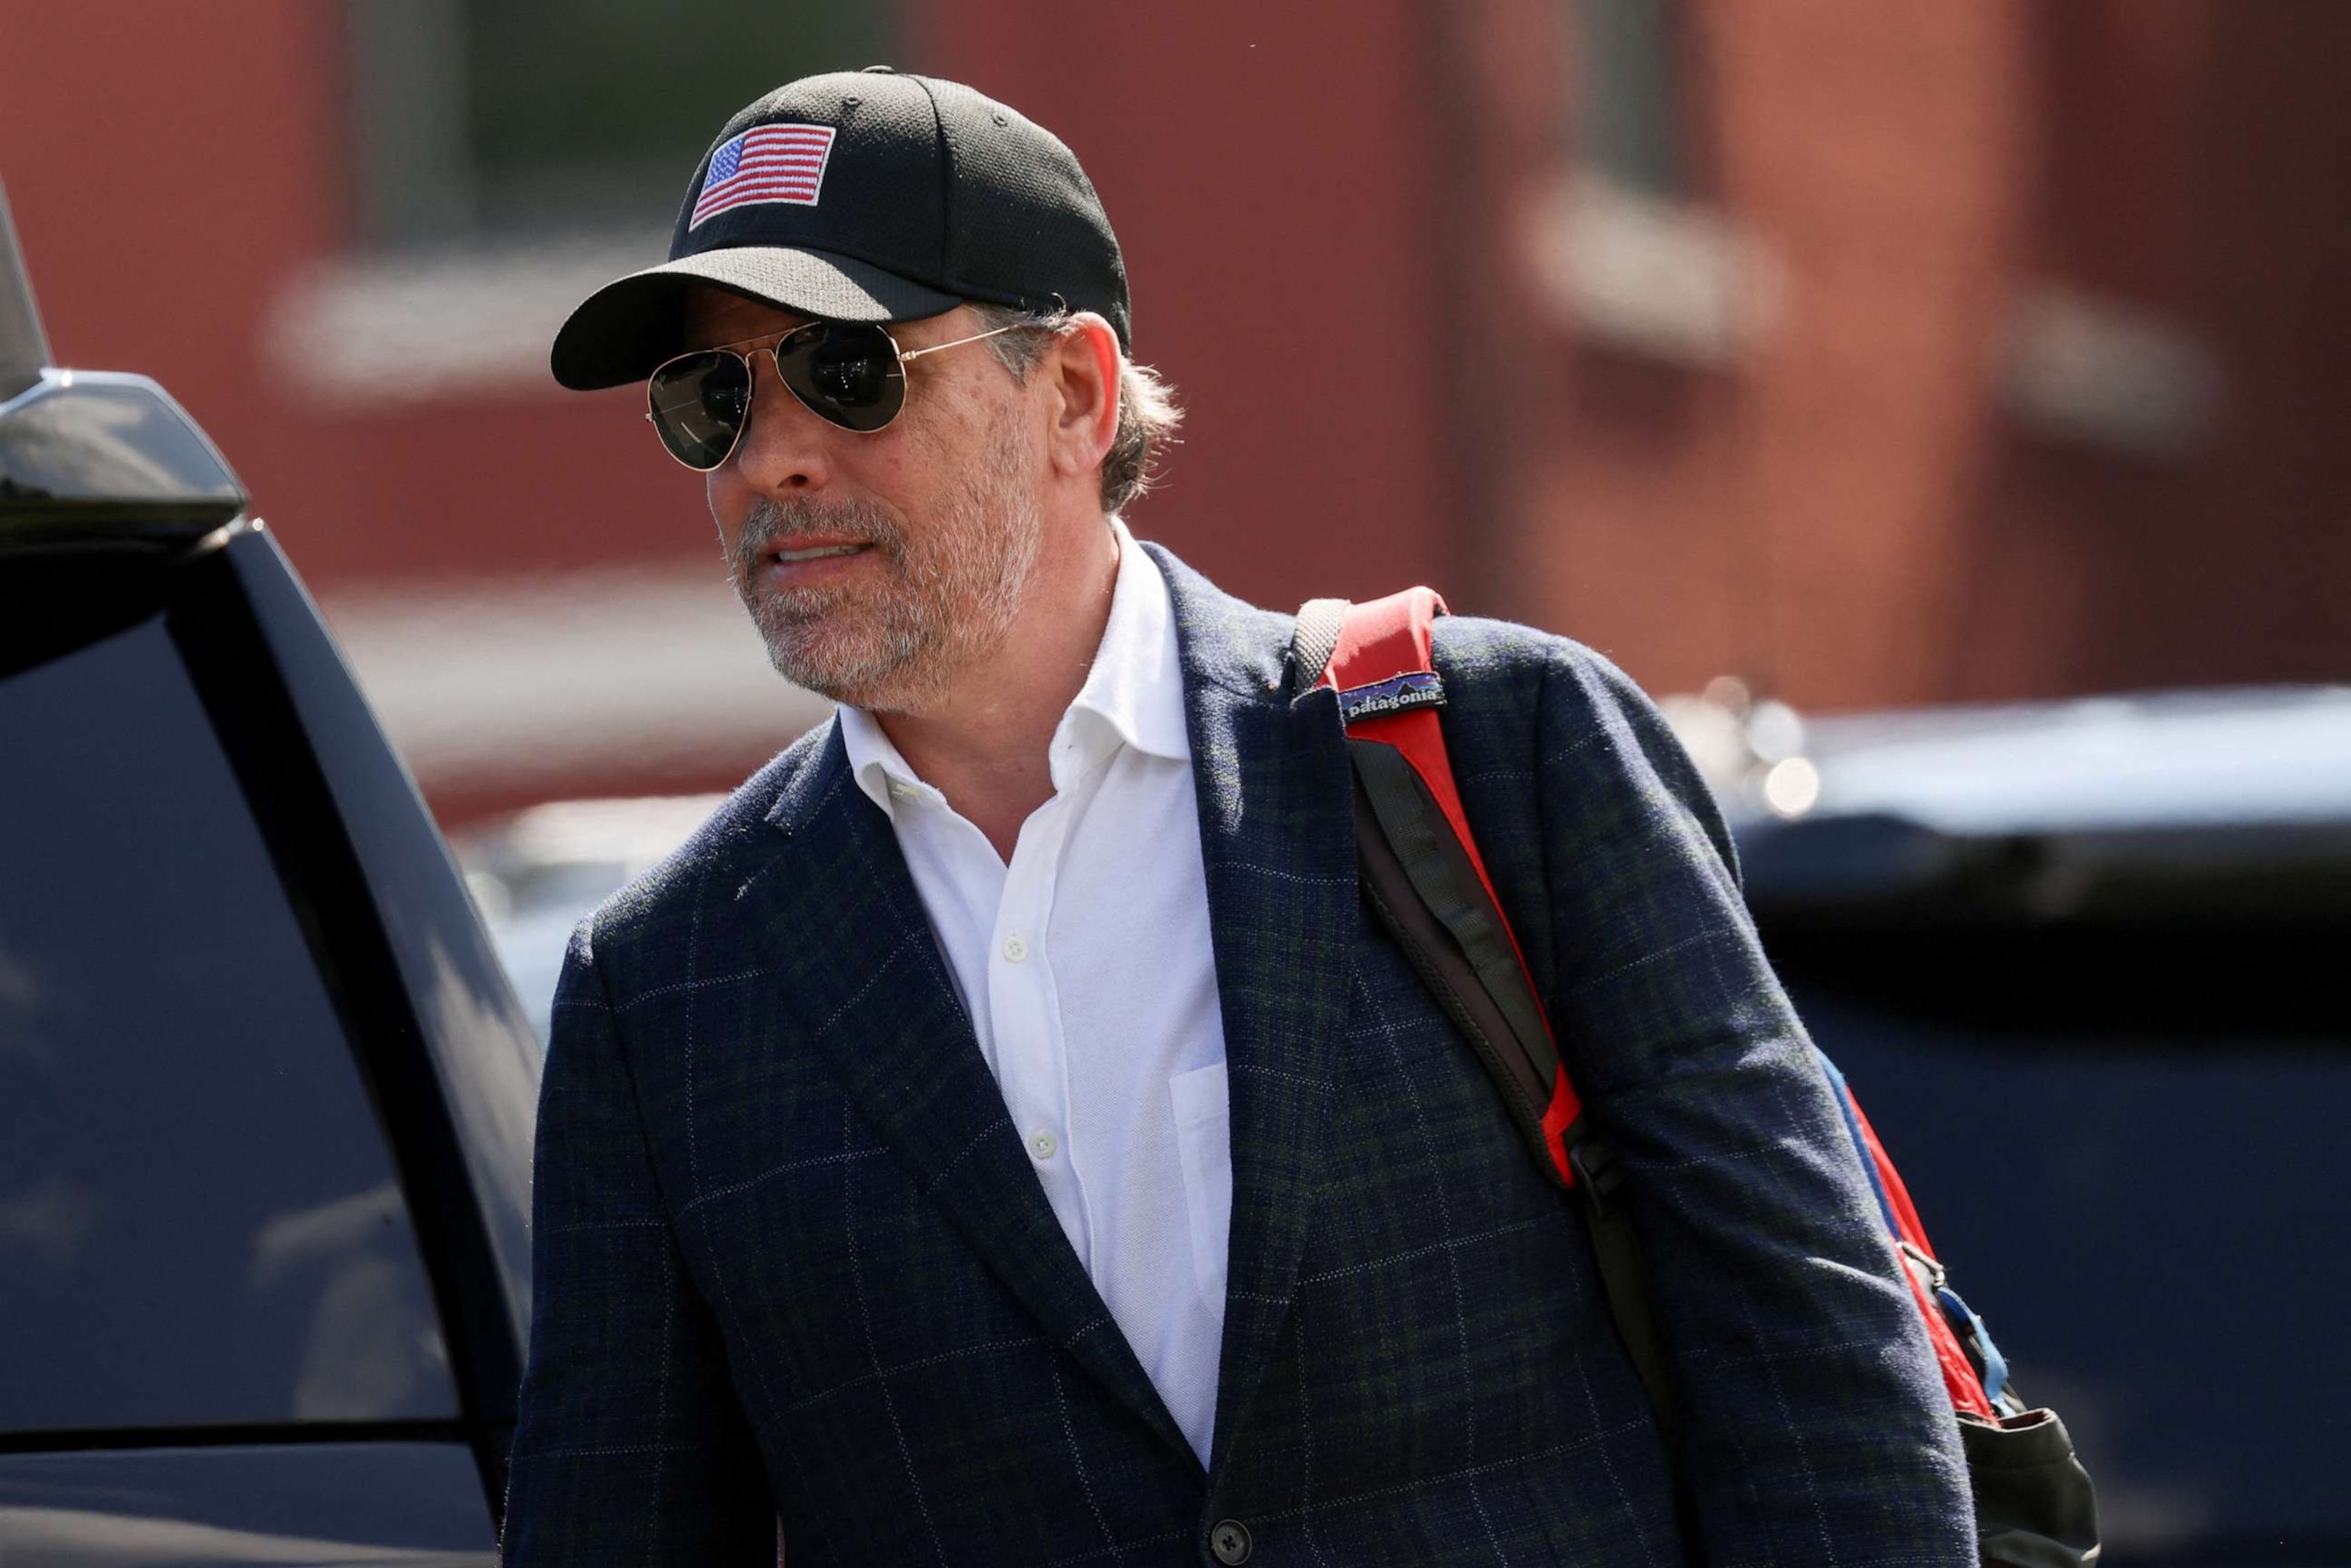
x=773, y=525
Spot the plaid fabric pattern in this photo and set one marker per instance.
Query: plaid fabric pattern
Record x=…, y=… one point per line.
x=792, y=1259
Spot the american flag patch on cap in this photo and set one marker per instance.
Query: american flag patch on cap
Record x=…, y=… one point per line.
x=765, y=164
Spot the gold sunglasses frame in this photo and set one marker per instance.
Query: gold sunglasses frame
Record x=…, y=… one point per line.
x=747, y=350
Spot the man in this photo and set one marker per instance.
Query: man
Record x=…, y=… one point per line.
x=1001, y=1135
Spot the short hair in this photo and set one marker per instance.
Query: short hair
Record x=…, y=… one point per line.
x=1147, y=412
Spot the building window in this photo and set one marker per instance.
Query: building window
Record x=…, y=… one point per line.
x=1625, y=126
x=510, y=157
x=502, y=118
x=1623, y=253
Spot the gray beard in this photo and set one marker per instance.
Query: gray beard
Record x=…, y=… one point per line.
x=898, y=647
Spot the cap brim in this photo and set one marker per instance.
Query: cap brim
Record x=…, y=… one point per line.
x=624, y=331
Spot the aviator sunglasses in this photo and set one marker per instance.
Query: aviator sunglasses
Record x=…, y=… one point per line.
x=849, y=373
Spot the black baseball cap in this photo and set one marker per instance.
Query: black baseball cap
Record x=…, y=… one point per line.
x=865, y=195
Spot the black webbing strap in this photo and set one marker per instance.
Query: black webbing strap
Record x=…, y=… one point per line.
x=1625, y=1279
x=1420, y=884
x=1446, y=973
x=1447, y=881
x=1441, y=915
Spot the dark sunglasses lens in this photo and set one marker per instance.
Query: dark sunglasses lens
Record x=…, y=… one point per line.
x=699, y=404
x=846, y=373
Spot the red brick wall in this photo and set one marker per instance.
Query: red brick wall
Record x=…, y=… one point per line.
x=1269, y=170
x=1322, y=211
x=1852, y=517
x=2195, y=162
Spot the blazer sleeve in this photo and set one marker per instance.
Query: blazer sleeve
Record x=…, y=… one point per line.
x=1815, y=1426
x=629, y=1447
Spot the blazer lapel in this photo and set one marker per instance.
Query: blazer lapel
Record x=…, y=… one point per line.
x=889, y=1021
x=1278, y=842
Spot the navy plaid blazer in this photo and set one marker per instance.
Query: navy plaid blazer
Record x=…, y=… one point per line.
x=792, y=1259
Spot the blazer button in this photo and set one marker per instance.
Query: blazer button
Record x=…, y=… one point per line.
x=1230, y=1540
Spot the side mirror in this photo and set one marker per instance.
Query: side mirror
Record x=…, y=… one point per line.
x=94, y=453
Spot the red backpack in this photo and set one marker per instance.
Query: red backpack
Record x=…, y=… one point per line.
x=1427, y=883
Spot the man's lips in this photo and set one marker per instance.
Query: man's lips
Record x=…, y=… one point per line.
x=805, y=559
x=814, y=549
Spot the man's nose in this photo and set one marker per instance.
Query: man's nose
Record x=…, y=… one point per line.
x=785, y=448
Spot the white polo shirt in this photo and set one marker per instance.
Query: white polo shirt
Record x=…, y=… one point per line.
x=1086, y=970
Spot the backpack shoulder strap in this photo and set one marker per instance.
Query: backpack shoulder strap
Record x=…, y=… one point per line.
x=1381, y=664
x=1425, y=879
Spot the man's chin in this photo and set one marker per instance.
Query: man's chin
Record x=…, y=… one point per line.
x=862, y=677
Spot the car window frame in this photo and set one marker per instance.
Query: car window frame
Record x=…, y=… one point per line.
x=209, y=614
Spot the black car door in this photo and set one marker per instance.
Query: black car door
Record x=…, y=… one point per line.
x=264, y=1099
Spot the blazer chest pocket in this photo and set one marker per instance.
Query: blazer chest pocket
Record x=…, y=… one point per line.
x=1203, y=1109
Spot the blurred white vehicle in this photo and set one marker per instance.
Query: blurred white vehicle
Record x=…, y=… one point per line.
x=536, y=874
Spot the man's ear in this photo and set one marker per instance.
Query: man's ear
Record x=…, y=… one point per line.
x=1081, y=374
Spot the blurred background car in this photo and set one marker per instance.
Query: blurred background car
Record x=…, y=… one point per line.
x=265, y=1096
x=536, y=874
x=2084, y=962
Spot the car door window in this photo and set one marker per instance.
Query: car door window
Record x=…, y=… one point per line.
x=200, y=1223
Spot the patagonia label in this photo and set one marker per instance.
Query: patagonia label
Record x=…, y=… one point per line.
x=1398, y=694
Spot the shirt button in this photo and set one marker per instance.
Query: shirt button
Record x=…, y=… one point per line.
x=1042, y=1145
x=902, y=791
x=1230, y=1540
x=1015, y=949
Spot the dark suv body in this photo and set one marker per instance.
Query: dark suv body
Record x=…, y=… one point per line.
x=2085, y=964
x=265, y=1096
